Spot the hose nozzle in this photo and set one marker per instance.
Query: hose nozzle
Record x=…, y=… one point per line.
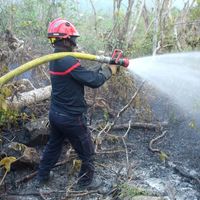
x=117, y=58
x=122, y=62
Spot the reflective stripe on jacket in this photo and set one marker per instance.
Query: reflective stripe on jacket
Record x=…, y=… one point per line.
x=68, y=79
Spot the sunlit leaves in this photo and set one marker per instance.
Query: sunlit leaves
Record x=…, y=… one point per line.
x=4, y=93
x=7, y=161
x=163, y=156
x=17, y=146
x=76, y=165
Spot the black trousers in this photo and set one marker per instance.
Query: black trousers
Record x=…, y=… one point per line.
x=64, y=127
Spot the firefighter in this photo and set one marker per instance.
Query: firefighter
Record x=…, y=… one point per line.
x=68, y=107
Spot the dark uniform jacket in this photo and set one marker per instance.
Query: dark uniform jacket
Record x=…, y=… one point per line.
x=68, y=79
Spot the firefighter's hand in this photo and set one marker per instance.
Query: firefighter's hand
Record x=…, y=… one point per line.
x=106, y=71
x=114, y=69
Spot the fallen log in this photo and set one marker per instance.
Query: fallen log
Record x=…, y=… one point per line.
x=31, y=97
x=37, y=95
x=143, y=125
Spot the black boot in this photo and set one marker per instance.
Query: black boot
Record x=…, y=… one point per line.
x=43, y=180
x=86, y=174
x=86, y=178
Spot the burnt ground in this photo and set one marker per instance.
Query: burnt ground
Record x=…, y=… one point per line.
x=174, y=178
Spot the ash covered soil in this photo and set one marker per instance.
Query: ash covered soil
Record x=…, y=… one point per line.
x=139, y=173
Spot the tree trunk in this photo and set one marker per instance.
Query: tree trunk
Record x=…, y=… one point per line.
x=133, y=29
x=28, y=98
x=156, y=26
x=145, y=16
x=95, y=16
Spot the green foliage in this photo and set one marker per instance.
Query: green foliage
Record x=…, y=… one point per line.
x=94, y=37
x=9, y=117
x=141, y=46
x=163, y=156
x=29, y=19
x=106, y=115
x=12, y=118
x=128, y=191
x=4, y=93
x=192, y=124
x=195, y=11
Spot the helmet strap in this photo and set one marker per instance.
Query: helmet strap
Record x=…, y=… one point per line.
x=63, y=44
x=68, y=45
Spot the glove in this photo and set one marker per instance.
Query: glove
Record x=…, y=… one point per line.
x=106, y=71
x=114, y=69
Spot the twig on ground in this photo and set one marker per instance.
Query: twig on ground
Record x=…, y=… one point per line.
x=127, y=158
x=4, y=176
x=110, y=151
x=80, y=194
x=106, y=167
x=109, y=125
x=42, y=196
x=98, y=141
x=126, y=150
x=117, y=182
x=129, y=127
x=26, y=178
x=143, y=125
x=7, y=138
x=154, y=140
x=125, y=107
x=30, y=176
x=10, y=194
x=68, y=191
x=71, y=193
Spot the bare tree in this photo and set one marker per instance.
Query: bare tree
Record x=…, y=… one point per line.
x=135, y=24
x=156, y=26
x=116, y=8
x=145, y=16
x=126, y=22
x=121, y=22
x=95, y=15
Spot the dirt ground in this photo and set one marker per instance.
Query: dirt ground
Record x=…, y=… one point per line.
x=145, y=173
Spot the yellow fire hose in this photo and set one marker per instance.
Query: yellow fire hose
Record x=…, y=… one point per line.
x=38, y=61
x=29, y=65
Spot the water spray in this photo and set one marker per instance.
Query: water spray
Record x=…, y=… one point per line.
x=115, y=59
x=177, y=75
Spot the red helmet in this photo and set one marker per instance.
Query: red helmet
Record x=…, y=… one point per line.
x=61, y=28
